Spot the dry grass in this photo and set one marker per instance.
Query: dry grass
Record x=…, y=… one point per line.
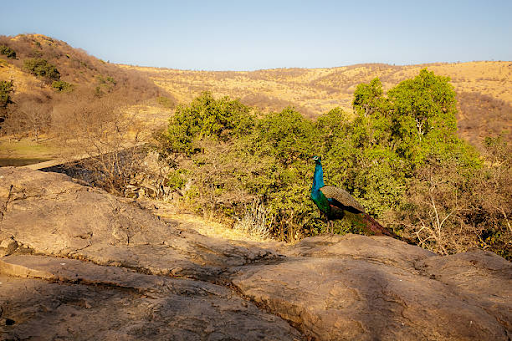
x=211, y=228
x=316, y=91
x=23, y=82
x=319, y=90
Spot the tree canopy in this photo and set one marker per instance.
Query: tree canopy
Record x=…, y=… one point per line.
x=232, y=156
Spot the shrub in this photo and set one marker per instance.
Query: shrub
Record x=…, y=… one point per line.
x=41, y=68
x=206, y=117
x=166, y=102
x=6, y=87
x=7, y=51
x=105, y=84
x=62, y=86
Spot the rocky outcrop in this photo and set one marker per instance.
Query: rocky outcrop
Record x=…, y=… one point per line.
x=378, y=288
x=79, y=263
x=50, y=214
x=77, y=300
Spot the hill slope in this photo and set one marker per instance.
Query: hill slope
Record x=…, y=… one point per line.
x=60, y=91
x=484, y=89
x=74, y=66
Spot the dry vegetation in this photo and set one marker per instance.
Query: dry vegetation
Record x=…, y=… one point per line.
x=316, y=91
x=62, y=96
x=484, y=88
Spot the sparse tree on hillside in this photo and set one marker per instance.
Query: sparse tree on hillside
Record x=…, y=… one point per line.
x=62, y=86
x=7, y=51
x=30, y=116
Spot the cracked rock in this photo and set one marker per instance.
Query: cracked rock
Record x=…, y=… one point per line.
x=81, y=264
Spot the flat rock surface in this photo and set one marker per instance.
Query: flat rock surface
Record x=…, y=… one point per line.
x=80, y=264
x=76, y=300
x=377, y=288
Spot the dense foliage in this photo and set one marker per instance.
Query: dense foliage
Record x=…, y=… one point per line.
x=42, y=68
x=400, y=157
x=7, y=51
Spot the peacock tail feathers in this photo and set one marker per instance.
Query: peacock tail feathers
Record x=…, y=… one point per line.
x=341, y=198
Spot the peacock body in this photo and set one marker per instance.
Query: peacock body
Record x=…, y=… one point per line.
x=335, y=202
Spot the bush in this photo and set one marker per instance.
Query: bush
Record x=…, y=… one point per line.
x=105, y=85
x=41, y=68
x=206, y=117
x=62, y=86
x=166, y=102
x=6, y=87
x=7, y=51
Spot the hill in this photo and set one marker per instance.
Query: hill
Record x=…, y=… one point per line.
x=63, y=94
x=484, y=89
x=74, y=66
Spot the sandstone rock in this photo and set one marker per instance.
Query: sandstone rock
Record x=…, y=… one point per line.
x=376, y=288
x=45, y=310
x=69, y=220
x=102, y=267
x=8, y=246
x=126, y=304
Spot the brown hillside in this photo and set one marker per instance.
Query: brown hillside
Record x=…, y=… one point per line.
x=74, y=65
x=484, y=88
x=316, y=91
x=94, y=89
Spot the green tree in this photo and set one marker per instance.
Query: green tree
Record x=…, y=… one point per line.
x=423, y=111
x=392, y=136
x=368, y=98
x=287, y=135
x=220, y=119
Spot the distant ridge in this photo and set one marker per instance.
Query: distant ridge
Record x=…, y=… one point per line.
x=484, y=88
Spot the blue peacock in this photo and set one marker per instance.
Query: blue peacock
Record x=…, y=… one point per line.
x=335, y=203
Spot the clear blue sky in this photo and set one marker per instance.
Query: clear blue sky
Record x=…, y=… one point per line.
x=261, y=34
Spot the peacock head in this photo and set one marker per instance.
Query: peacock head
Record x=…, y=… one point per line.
x=317, y=159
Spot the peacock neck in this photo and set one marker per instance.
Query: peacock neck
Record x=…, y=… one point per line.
x=318, y=178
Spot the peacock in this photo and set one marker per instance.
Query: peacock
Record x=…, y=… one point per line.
x=335, y=202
